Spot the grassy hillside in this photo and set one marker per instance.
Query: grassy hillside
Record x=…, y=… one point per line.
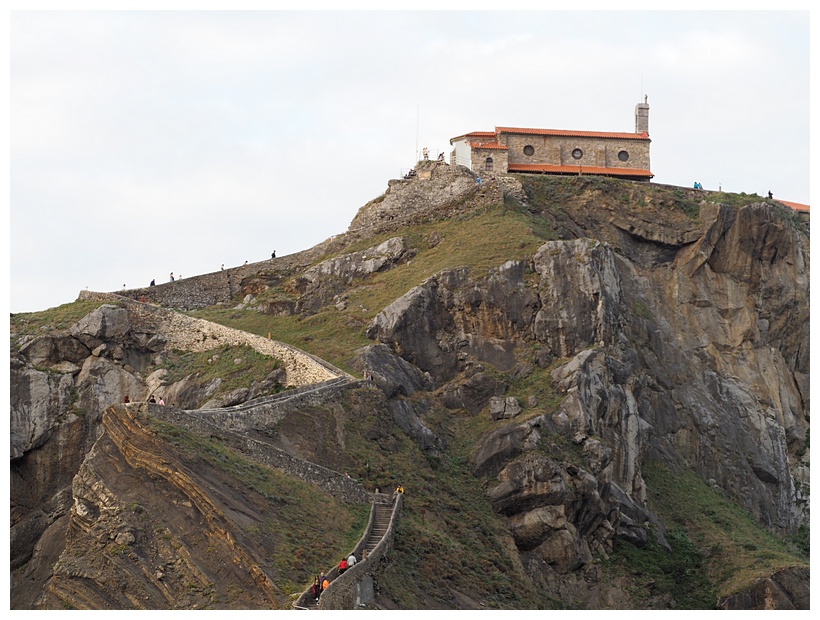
x=481, y=240
x=450, y=545
x=304, y=532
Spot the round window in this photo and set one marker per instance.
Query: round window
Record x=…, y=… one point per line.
x=577, y=153
x=529, y=151
x=623, y=155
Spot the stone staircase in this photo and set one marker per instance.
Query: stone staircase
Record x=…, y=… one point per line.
x=381, y=514
x=381, y=521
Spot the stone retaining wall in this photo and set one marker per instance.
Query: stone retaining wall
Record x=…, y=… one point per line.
x=207, y=289
x=187, y=333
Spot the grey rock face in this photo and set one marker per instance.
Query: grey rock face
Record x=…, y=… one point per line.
x=555, y=513
x=359, y=264
x=786, y=589
x=50, y=350
x=498, y=448
x=434, y=325
x=693, y=353
x=405, y=415
x=38, y=402
x=320, y=284
x=418, y=325
x=391, y=373
x=579, y=294
x=103, y=324
x=437, y=187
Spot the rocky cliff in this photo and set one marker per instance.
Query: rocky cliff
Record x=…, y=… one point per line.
x=631, y=326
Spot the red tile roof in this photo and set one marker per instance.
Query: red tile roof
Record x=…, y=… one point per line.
x=796, y=206
x=623, y=172
x=553, y=132
x=579, y=134
x=475, y=134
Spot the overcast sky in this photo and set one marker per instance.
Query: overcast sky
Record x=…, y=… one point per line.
x=148, y=142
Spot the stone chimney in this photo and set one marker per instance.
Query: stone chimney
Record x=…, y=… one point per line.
x=642, y=116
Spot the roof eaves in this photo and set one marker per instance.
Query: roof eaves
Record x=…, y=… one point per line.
x=571, y=133
x=630, y=172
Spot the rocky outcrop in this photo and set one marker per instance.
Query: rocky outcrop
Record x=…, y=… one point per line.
x=125, y=566
x=785, y=590
x=555, y=512
x=436, y=190
x=696, y=357
x=396, y=378
x=504, y=408
x=650, y=332
x=394, y=375
x=61, y=382
x=323, y=282
x=449, y=317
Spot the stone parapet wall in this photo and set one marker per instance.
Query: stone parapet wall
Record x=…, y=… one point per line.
x=208, y=289
x=337, y=485
x=199, y=291
x=267, y=411
x=187, y=333
x=202, y=291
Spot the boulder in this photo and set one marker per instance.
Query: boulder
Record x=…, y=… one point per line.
x=504, y=408
x=498, y=448
x=106, y=323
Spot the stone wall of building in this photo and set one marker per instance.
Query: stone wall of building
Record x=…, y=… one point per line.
x=478, y=161
x=557, y=150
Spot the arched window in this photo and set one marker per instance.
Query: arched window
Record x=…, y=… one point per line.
x=488, y=164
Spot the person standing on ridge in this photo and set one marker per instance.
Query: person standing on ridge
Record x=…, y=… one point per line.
x=172, y=277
